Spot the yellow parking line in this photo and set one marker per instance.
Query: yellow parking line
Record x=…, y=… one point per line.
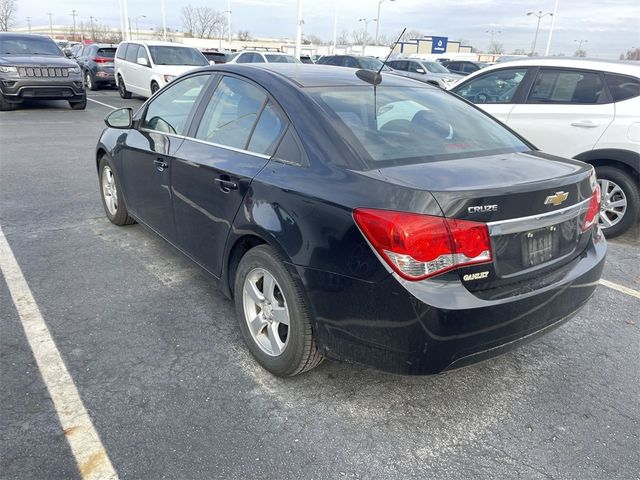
x=620, y=288
x=91, y=456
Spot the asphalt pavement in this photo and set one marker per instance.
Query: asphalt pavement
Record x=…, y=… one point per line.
x=160, y=365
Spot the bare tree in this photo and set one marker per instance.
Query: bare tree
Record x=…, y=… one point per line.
x=203, y=22
x=313, y=39
x=519, y=51
x=343, y=38
x=496, y=48
x=8, y=12
x=104, y=34
x=188, y=17
x=409, y=34
x=243, y=35
x=386, y=39
x=633, y=54
x=358, y=37
x=580, y=53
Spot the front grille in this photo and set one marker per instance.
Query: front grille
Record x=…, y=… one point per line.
x=43, y=72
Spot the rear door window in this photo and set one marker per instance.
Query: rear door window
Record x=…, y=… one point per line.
x=231, y=113
x=622, y=87
x=567, y=86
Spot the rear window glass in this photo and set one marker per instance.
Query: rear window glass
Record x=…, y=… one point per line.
x=107, y=52
x=622, y=87
x=397, y=125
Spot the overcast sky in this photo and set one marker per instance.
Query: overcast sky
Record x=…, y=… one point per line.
x=610, y=27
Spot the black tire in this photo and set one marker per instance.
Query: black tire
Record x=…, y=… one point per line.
x=78, y=105
x=300, y=353
x=629, y=187
x=154, y=87
x=121, y=216
x=90, y=82
x=5, y=105
x=122, y=88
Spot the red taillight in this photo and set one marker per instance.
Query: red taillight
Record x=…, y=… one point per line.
x=421, y=246
x=102, y=60
x=591, y=218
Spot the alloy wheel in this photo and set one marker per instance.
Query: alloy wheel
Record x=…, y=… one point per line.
x=266, y=312
x=87, y=80
x=613, y=203
x=109, y=190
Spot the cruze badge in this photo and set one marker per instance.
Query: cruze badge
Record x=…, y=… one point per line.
x=475, y=276
x=483, y=208
x=556, y=199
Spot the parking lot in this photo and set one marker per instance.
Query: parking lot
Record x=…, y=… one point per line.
x=159, y=363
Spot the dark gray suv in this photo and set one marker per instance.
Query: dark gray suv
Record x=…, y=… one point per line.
x=33, y=67
x=96, y=62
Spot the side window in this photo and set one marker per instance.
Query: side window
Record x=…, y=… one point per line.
x=470, y=68
x=622, y=87
x=566, y=86
x=350, y=62
x=122, y=51
x=231, y=113
x=290, y=151
x=132, y=53
x=170, y=110
x=454, y=66
x=142, y=53
x=267, y=131
x=498, y=86
x=244, y=58
x=258, y=58
x=414, y=66
x=332, y=61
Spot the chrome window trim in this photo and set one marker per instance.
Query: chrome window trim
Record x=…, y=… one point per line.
x=175, y=135
x=532, y=222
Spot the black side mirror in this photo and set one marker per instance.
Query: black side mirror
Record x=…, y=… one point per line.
x=121, y=118
x=67, y=52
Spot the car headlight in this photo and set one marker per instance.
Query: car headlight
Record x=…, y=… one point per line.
x=5, y=69
x=169, y=78
x=74, y=69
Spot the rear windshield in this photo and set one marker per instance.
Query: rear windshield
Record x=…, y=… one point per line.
x=277, y=58
x=166, y=55
x=28, y=46
x=107, y=52
x=397, y=125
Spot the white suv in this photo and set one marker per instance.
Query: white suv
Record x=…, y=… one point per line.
x=252, y=56
x=144, y=68
x=574, y=108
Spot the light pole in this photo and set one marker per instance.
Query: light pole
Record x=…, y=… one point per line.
x=553, y=24
x=366, y=35
x=93, y=31
x=74, y=14
x=535, y=39
x=492, y=33
x=335, y=27
x=29, y=23
x=380, y=2
x=228, y=12
x=299, y=23
x=164, y=23
x=138, y=18
x=50, y=24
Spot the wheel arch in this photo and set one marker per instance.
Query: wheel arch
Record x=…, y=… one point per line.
x=626, y=160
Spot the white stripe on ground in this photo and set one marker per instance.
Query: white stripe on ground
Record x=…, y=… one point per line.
x=103, y=104
x=620, y=288
x=91, y=457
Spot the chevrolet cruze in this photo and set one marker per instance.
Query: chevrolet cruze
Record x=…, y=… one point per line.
x=355, y=216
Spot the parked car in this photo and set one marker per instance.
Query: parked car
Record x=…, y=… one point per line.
x=215, y=56
x=96, y=62
x=463, y=67
x=306, y=59
x=425, y=71
x=75, y=50
x=366, y=218
x=573, y=108
x=144, y=68
x=251, y=56
x=353, y=61
x=33, y=67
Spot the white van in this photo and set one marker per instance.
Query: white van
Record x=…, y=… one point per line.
x=144, y=68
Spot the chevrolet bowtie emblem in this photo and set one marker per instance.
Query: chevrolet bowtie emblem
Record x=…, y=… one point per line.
x=556, y=199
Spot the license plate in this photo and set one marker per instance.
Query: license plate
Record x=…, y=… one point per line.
x=539, y=246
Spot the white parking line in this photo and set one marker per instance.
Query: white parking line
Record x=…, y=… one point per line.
x=103, y=104
x=91, y=456
x=620, y=288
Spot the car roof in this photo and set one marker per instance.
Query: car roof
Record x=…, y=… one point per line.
x=22, y=35
x=613, y=66
x=307, y=75
x=158, y=43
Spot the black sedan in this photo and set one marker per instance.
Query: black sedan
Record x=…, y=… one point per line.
x=354, y=216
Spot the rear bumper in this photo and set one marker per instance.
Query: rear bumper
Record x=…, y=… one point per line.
x=104, y=75
x=435, y=325
x=18, y=89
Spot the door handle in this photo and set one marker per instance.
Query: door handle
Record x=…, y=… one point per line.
x=226, y=185
x=585, y=124
x=160, y=164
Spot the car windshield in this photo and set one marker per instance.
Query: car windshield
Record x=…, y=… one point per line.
x=435, y=67
x=166, y=55
x=279, y=58
x=372, y=64
x=397, y=125
x=28, y=46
